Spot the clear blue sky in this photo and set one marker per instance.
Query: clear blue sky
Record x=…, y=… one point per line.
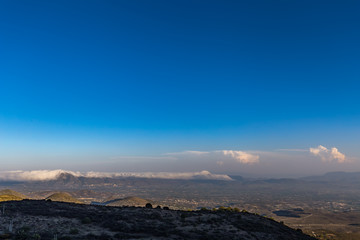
x=87, y=81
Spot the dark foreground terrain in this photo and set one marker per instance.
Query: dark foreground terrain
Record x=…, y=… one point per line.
x=325, y=207
x=41, y=219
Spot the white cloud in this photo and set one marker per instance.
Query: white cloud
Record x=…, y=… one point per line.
x=327, y=155
x=221, y=156
x=337, y=155
x=241, y=157
x=45, y=175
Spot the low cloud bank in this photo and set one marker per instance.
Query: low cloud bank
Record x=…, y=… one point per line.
x=46, y=175
x=328, y=155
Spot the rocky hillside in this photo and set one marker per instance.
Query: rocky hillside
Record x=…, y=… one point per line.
x=40, y=219
x=63, y=197
x=10, y=195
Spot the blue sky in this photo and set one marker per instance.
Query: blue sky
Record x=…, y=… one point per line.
x=87, y=82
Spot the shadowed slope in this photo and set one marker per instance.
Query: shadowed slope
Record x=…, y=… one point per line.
x=101, y=222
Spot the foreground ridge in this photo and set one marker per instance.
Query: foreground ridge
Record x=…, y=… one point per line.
x=40, y=219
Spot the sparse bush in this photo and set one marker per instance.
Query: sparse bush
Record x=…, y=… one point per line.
x=104, y=236
x=74, y=231
x=22, y=233
x=47, y=235
x=5, y=236
x=85, y=220
x=148, y=205
x=36, y=236
x=90, y=236
x=155, y=215
x=65, y=238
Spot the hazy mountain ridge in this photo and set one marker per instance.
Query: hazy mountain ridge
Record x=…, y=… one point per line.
x=69, y=178
x=348, y=177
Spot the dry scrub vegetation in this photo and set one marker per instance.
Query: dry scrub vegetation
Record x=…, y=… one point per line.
x=41, y=219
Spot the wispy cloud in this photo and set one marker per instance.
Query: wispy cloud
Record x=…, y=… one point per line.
x=143, y=158
x=46, y=175
x=241, y=157
x=221, y=156
x=328, y=155
x=291, y=150
x=188, y=152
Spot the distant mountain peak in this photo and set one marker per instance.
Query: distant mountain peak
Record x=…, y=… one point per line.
x=65, y=176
